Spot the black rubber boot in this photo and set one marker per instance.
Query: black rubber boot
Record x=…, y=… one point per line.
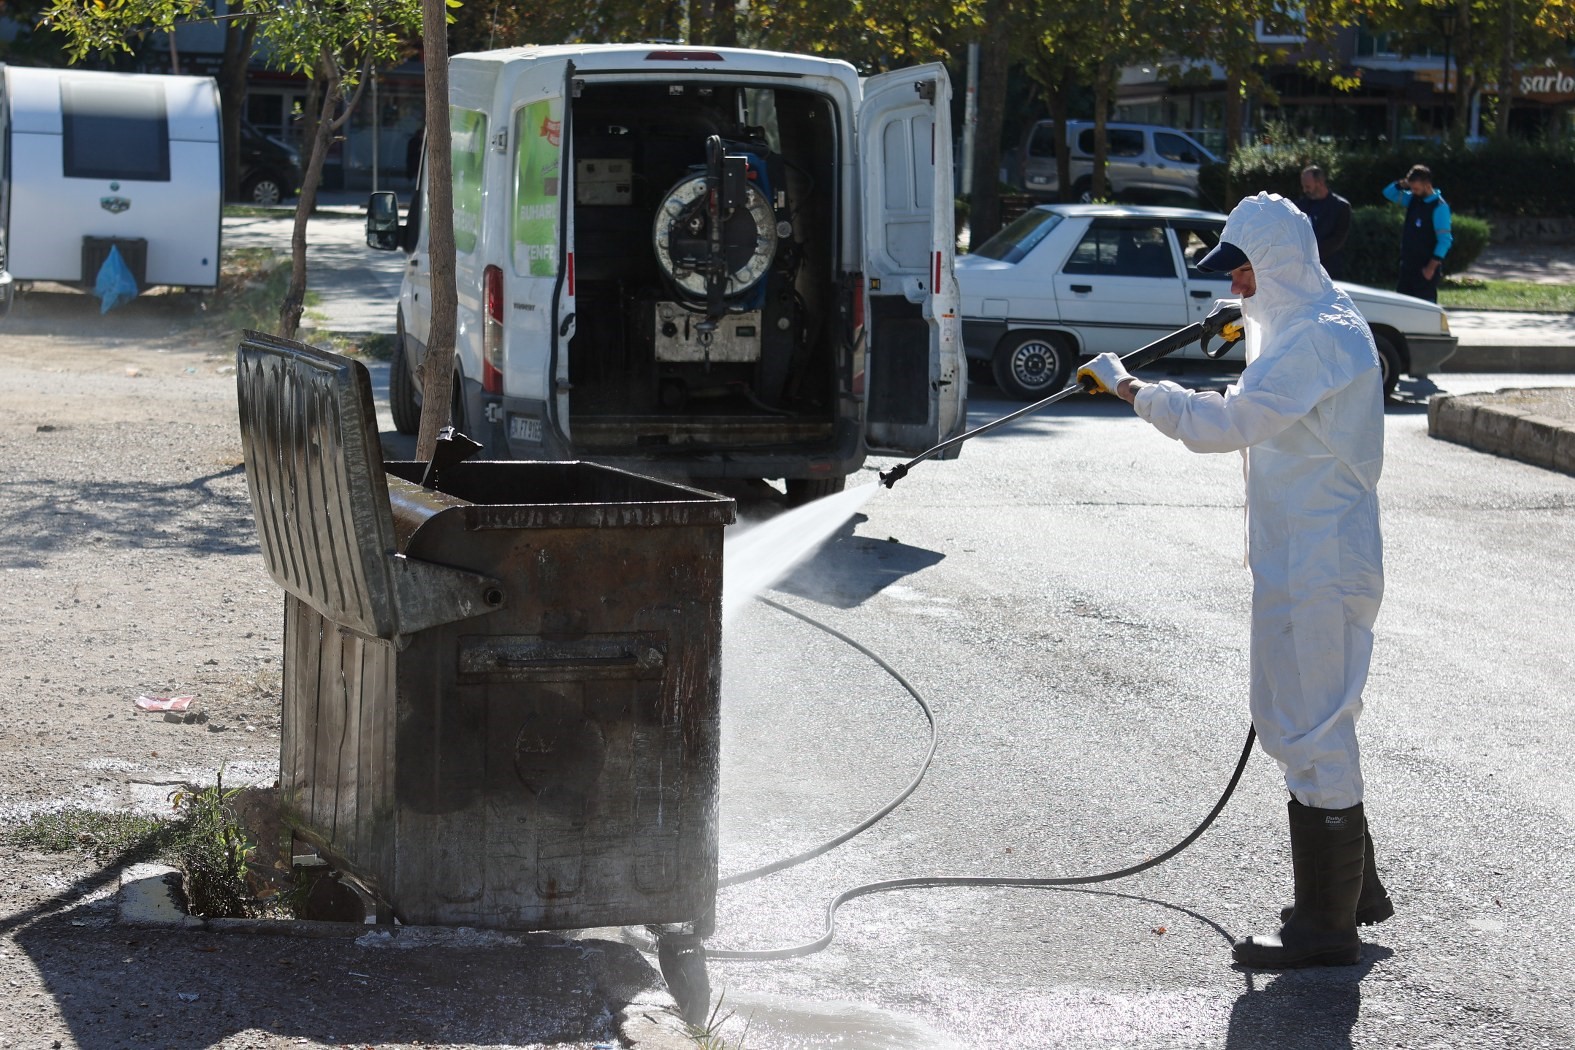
x=1327, y=847
x=1374, y=905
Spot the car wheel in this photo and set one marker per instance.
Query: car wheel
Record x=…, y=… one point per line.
x=402, y=402
x=807, y=490
x=1083, y=191
x=1032, y=365
x=1389, y=361
x=264, y=190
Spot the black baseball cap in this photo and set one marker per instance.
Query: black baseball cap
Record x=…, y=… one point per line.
x=1224, y=258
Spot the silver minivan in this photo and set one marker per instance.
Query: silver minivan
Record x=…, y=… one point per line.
x=1144, y=163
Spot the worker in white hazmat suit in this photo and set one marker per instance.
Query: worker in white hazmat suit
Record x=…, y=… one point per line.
x=1307, y=413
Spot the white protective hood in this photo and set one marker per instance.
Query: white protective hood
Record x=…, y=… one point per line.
x=1308, y=411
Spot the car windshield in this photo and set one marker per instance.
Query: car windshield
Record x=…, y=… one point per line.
x=1018, y=238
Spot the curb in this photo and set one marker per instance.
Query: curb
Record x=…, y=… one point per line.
x=1468, y=419
x=1530, y=359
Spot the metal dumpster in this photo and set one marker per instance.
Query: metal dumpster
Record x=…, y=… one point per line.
x=501, y=689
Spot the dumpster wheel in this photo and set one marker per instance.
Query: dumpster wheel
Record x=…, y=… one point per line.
x=934, y=881
x=681, y=957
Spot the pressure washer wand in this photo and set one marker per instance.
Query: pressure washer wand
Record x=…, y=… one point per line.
x=1225, y=317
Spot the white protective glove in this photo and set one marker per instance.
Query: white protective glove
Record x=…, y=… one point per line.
x=1106, y=373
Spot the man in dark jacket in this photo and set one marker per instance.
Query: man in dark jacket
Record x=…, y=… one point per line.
x=1427, y=235
x=1330, y=215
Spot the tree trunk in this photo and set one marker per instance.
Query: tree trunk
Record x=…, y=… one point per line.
x=1233, y=130
x=437, y=369
x=1463, y=85
x=1060, y=112
x=713, y=22
x=1506, y=72
x=1097, y=186
x=984, y=205
x=322, y=136
x=239, y=36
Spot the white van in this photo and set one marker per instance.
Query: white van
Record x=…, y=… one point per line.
x=1144, y=163
x=698, y=262
x=91, y=160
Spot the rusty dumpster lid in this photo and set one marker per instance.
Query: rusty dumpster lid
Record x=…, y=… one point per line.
x=314, y=467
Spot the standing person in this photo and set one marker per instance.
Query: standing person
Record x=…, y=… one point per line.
x=1307, y=413
x=1427, y=234
x=1330, y=215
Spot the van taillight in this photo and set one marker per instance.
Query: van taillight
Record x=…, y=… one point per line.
x=492, y=332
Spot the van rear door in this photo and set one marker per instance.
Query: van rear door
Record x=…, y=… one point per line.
x=538, y=309
x=916, y=371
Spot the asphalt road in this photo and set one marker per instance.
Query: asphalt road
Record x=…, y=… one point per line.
x=1069, y=597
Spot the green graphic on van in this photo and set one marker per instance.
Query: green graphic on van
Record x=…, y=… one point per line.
x=469, y=152
x=538, y=138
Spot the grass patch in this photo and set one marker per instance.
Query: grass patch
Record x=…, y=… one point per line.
x=252, y=284
x=105, y=836
x=1468, y=293
x=379, y=346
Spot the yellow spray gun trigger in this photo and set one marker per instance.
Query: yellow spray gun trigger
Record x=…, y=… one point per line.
x=1224, y=321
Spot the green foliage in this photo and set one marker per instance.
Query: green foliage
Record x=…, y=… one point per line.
x=293, y=36
x=1499, y=177
x=1372, y=252
x=213, y=852
x=1510, y=177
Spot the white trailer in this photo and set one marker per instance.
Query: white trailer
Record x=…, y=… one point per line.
x=92, y=160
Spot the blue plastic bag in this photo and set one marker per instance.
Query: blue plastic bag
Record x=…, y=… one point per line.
x=116, y=283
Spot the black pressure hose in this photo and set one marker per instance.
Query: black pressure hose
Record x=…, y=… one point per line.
x=932, y=881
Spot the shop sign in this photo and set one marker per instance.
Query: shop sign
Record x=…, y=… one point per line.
x=1548, y=85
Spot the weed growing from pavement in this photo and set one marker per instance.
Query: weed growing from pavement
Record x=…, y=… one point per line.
x=204, y=838
x=214, y=851
x=706, y=1036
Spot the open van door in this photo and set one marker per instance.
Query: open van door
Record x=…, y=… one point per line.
x=916, y=368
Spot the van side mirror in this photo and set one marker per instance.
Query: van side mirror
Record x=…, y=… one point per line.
x=382, y=221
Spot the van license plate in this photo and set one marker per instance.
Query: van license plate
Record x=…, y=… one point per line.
x=525, y=428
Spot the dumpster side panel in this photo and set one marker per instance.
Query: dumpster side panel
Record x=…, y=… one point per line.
x=573, y=750
x=303, y=629
x=335, y=750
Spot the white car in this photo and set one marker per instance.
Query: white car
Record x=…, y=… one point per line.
x=1064, y=282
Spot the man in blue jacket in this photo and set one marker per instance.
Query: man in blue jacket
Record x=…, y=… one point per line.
x=1427, y=236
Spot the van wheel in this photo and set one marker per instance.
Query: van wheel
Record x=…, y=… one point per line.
x=807, y=490
x=402, y=392
x=1389, y=361
x=1032, y=365
x=263, y=189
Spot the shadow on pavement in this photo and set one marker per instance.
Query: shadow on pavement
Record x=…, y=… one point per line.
x=1315, y=1008
x=119, y=986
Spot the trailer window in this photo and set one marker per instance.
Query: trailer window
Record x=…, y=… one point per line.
x=115, y=131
